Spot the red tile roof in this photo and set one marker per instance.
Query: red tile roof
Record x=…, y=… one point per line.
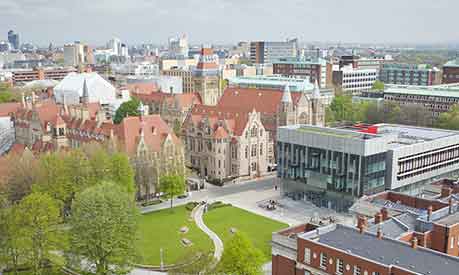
x=247, y=99
x=155, y=133
x=17, y=149
x=6, y=109
x=142, y=88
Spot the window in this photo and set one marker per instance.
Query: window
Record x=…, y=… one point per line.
x=452, y=243
x=254, y=150
x=375, y=273
x=261, y=132
x=307, y=255
x=357, y=270
x=254, y=166
x=246, y=152
x=261, y=149
x=323, y=260
x=253, y=132
x=339, y=266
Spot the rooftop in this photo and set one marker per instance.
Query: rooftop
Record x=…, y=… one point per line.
x=449, y=220
x=436, y=90
x=295, y=84
x=452, y=63
x=388, y=252
x=301, y=61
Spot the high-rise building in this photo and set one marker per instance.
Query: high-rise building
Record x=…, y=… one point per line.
x=13, y=38
x=178, y=47
x=115, y=45
x=77, y=54
x=264, y=52
x=206, y=78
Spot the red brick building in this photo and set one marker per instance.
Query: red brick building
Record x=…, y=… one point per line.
x=451, y=72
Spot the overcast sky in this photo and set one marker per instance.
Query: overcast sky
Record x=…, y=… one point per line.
x=217, y=21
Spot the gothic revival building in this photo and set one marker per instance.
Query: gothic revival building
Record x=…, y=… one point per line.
x=206, y=80
x=222, y=144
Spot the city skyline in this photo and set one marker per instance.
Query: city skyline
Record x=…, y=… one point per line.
x=225, y=21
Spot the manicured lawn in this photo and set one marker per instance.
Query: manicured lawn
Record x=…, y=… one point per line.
x=259, y=229
x=161, y=229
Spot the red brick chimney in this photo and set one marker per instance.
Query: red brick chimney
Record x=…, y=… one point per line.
x=379, y=233
x=414, y=243
x=362, y=223
x=446, y=191
x=429, y=212
x=378, y=218
x=385, y=214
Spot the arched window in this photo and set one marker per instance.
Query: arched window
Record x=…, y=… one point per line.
x=254, y=131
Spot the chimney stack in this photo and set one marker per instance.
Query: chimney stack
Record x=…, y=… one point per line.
x=446, y=191
x=378, y=218
x=450, y=202
x=385, y=214
x=429, y=213
x=414, y=243
x=379, y=233
x=362, y=224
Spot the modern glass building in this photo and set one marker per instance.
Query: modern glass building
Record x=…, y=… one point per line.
x=334, y=166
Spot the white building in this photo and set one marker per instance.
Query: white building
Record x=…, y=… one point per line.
x=178, y=47
x=71, y=89
x=141, y=69
x=115, y=45
x=355, y=80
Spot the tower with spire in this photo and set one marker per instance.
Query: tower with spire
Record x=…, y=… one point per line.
x=286, y=114
x=85, y=96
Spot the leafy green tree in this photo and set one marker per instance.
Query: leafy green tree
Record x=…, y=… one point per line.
x=342, y=107
x=54, y=179
x=7, y=95
x=378, y=86
x=240, y=257
x=100, y=163
x=172, y=185
x=103, y=228
x=79, y=169
x=449, y=120
x=177, y=128
x=40, y=218
x=12, y=244
x=128, y=108
x=122, y=173
x=196, y=262
x=21, y=173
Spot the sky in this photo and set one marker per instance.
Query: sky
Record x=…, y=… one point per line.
x=229, y=21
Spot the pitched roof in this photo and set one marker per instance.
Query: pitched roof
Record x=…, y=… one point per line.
x=156, y=131
x=8, y=108
x=142, y=88
x=247, y=99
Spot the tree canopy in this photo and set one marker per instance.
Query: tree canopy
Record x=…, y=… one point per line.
x=128, y=108
x=7, y=94
x=172, y=185
x=103, y=228
x=240, y=257
x=449, y=120
x=378, y=86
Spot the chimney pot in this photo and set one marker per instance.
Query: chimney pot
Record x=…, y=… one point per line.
x=450, y=205
x=429, y=212
x=414, y=243
x=378, y=218
x=379, y=233
x=385, y=214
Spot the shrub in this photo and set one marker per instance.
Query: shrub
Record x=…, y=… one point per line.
x=191, y=205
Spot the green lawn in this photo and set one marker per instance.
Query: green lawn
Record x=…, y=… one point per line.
x=257, y=228
x=161, y=229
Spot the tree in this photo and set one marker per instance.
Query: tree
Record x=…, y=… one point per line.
x=449, y=120
x=378, y=86
x=196, y=262
x=40, y=217
x=12, y=246
x=172, y=185
x=103, y=228
x=177, y=128
x=122, y=173
x=240, y=257
x=21, y=173
x=128, y=108
x=7, y=95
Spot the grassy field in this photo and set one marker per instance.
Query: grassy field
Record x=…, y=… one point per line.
x=259, y=229
x=161, y=229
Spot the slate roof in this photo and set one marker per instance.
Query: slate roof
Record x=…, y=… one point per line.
x=390, y=252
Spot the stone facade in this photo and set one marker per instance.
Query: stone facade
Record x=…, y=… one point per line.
x=223, y=145
x=206, y=78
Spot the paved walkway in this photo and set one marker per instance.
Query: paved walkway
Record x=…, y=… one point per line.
x=218, y=244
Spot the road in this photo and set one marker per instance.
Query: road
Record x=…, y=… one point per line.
x=213, y=193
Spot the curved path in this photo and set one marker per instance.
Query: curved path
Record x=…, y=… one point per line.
x=218, y=244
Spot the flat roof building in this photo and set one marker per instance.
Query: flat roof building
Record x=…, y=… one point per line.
x=309, y=68
x=451, y=72
x=334, y=166
x=410, y=74
x=266, y=52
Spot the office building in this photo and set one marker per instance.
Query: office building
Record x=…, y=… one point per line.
x=25, y=76
x=13, y=39
x=266, y=52
x=185, y=75
x=410, y=74
x=355, y=80
x=437, y=99
x=206, y=80
x=312, y=68
x=78, y=54
x=363, y=63
x=451, y=72
x=334, y=166
x=5, y=46
x=178, y=47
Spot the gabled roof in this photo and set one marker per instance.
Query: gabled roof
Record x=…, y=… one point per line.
x=8, y=108
x=246, y=99
x=156, y=131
